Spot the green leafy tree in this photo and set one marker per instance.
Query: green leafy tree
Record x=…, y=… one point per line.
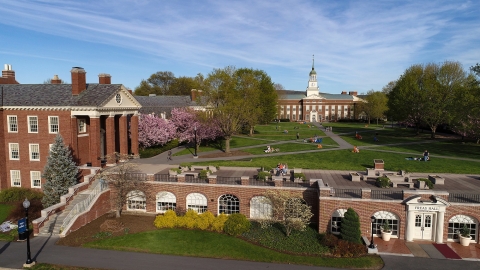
x=60, y=173
x=375, y=105
x=350, y=227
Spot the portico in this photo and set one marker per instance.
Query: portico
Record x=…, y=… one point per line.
x=425, y=218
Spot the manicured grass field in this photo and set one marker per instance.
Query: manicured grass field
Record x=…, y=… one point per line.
x=214, y=245
x=292, y=147
x=344, y=159
x=5, y=211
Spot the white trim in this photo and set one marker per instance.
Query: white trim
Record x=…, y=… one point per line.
x=30, y=124
x=10, y=151
x=50, y=124
x=9, y=124
x=34, y=177
x=15, y=177
x=30, y=151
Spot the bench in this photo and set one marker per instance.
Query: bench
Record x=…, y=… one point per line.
x=409, y=184
x=192, y=173
x=193, y=168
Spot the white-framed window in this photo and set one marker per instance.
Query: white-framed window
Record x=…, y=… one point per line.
x=12, y=123
x=336, y=220
x=457, y=222
x=308, y=108
x=228, y=204
x=197, y=202
x=260, y=208
x=34, y=151
x=82, y=126
x=53, y=124
x=166, y=201
x=32, y=124
x=36, y=179
x=14, y=150
x=288, y=108
x=15, y=178
x=136, y=201
x=383, y=217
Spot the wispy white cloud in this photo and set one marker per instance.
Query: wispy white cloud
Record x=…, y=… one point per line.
x=357, y=44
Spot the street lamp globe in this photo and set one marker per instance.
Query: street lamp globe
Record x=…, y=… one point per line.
x=26, y=203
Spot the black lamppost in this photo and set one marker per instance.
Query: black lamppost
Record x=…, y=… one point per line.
x=371, y=242
x=26, y=205
x=195, y=129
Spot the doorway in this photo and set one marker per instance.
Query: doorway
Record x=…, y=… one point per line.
x=424, y=226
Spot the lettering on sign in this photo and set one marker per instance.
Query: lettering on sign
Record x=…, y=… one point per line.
x=427, y=208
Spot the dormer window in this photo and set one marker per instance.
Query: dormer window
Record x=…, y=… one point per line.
x=118, y=98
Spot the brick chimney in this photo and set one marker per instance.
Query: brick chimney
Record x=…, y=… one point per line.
x=193, y=94
x=353, y=93
x=104, y=78
x=79, y=81
x=8, y=75
x=56, y=80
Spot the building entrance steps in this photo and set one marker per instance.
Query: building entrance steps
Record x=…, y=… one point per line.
x=54, y=224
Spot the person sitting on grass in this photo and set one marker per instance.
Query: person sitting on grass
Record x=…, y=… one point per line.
x=375, y=139
x=268, y=149
x=355, y=149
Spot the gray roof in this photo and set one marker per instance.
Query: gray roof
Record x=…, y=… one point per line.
x=293, y=94
x=161, y=104
x=55, y=94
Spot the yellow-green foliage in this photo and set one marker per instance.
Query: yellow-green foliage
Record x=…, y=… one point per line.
x=167, y=220
x=189, y=220
x=219, y=222
x=205, y=221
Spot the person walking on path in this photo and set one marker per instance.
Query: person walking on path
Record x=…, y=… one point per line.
x=426, y=155
x=169, y=157
x=298, y=135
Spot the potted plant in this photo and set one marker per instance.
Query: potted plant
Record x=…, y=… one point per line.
x=382, y=182
x=464, y=235
x=299, y=177
x=386, y=230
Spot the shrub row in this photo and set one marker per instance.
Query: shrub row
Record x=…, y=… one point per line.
x=18, y=194
x=235, y=224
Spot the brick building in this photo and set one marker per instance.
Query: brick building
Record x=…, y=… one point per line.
x=314, y=106
x=94, y=119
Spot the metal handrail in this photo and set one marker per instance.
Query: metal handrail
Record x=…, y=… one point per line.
x=83, y=205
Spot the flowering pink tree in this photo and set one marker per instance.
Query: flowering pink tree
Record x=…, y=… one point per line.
x=188, y=122
x=154, y=131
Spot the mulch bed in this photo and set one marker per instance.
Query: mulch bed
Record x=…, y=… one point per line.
x=127, y=223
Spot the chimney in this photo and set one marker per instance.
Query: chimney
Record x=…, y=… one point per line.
x=344, y=92
x=193, y=94
x=104, y=78
x=8, y=75
x=56, y=80
x=79, y=81
x=353, y=93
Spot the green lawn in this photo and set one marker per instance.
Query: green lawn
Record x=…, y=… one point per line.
x=292, y=147
x=237, y=141
x=215, y=245
x=5, y=211
x=344, y=159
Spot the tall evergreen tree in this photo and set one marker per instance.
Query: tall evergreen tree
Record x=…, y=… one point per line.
x=61, y=172
x=350, y=227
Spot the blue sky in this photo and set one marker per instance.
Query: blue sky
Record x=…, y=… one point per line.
x=358, y=45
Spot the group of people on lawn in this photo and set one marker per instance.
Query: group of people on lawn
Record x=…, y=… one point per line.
x=281, y=169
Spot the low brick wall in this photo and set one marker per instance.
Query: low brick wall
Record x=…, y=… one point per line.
x=98, y=209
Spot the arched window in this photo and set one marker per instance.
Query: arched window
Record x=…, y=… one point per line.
x=166, y=201
x=457, y=222
x=197, y=202
x=336, y=220
x=382, y=217
x=260, y=208
x=228, y=204
x=136, y=201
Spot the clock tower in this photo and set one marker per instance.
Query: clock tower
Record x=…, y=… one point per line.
x=312, y=88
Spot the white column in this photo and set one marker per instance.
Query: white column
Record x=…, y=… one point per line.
x=410, y=225
x=439, y=231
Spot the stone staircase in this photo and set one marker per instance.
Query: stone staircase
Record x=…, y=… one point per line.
x=54, y=224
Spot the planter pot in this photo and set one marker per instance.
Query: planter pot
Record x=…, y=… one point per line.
x=464, y=241
x=386, y=236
